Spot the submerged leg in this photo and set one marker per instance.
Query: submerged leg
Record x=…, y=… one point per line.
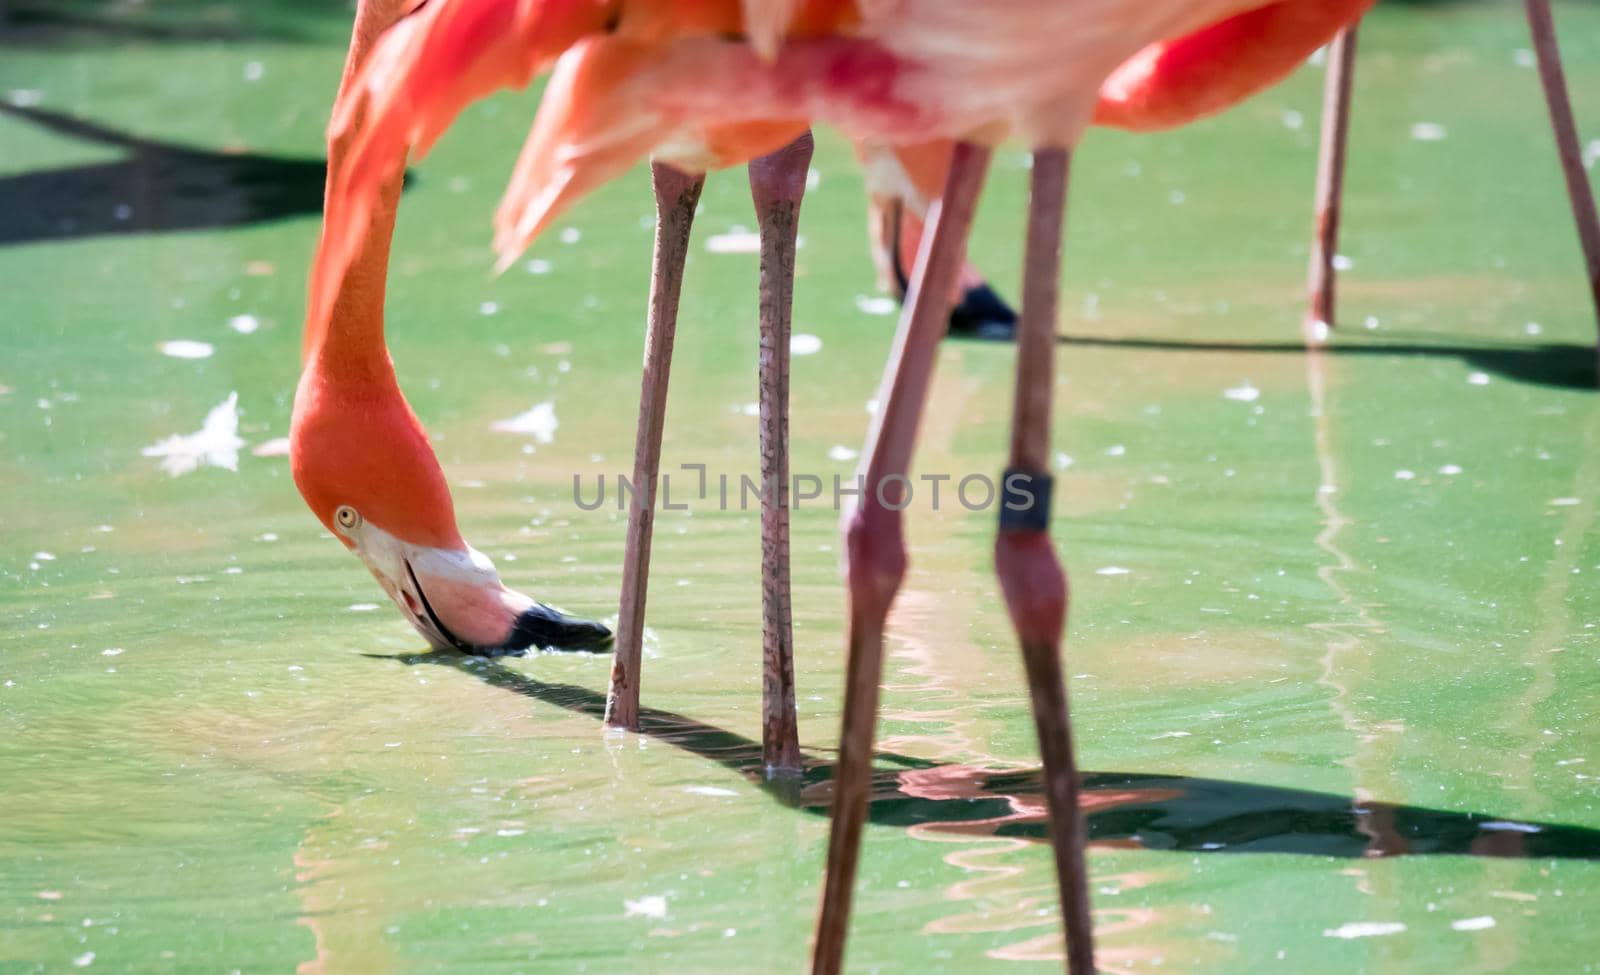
x=1566, y=132
x=1031, y=577
x=777, y=184
x=676, y=196
x=1330, y=182
x=875, y=556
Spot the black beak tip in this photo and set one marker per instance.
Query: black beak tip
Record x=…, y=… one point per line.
x=983, y=314
x=550, y=629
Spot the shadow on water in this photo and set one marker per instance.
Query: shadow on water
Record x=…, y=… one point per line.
x=37, y=23
x=156, y=187
x=1561, y=364
x=1127, y=809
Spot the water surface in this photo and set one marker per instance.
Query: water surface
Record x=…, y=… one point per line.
x=1333, y=641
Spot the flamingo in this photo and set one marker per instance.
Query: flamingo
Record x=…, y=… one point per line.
x=335, y=458
x=1322, y=277
x=1170, y=83
x=362, y=461
x=906, y=71
x=1178, y=81
x=1165, y=84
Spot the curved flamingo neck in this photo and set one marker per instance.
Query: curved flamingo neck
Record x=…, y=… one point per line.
x=351, y=342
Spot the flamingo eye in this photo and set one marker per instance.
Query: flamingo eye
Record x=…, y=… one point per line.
x=347, y=517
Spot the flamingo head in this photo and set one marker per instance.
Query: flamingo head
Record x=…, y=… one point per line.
x=363, y=463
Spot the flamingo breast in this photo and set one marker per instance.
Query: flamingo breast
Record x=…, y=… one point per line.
x=1024, y=68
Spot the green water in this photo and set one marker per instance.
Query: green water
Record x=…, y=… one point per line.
x=1358, y=613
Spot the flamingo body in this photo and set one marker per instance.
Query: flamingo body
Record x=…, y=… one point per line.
x=703, y=84
x=679, y=79
x=1178, y=81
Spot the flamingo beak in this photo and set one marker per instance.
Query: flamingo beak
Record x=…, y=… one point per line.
x=455, y=599
x=500, y=621
x=550, y=629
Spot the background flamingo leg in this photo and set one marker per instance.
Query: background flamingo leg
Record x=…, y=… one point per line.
x=1322, y=277
x=1031, y=577
x=1551, y=76
x=777, y=185
x=874, y=545
x=676, y=193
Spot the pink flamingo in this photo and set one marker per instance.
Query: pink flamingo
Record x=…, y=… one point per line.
x=359, y=455
x=362, y=461
x=1322, y=277
x=897, y=72
x=382, y=111
x=1176, y=82
x=1170, y=83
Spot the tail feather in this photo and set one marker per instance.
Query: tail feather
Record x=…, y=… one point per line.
x=589, y=129
x=600, y=115
x=425, y=70
x=766, y=22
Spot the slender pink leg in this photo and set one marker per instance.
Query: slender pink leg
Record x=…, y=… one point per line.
x=777, y=184
x=1031, y=576
x=676, y=196
x=1330, y=182
x=1543, y=29
x=874, y=546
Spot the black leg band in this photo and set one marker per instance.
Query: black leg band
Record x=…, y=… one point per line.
x=1025, y=501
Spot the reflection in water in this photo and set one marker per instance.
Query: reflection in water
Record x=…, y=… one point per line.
x=157, y=186
x=310, y=873
x=1145, y=810
x=1347, y=655
x=994, y=894
x=1553, y=607
x=329, y=892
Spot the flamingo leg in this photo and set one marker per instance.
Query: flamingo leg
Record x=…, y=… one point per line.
x=777, y=185
x=874, y=545
x=1542, y=27
x=1330, y=183
x=1031, y=577
x=676, y=195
